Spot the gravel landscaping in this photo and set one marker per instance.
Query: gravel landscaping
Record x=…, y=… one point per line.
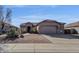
x=29, y=38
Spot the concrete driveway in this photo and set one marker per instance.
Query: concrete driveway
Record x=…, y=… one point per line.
x=31, y=38
x=42, y=43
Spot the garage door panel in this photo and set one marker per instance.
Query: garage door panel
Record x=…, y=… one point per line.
x=48, y=29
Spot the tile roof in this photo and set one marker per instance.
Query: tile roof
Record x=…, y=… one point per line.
x=75, y=24
x=35, y=24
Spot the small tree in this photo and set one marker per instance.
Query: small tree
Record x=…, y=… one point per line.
x=8, y=16
x=1, y=17
x=5, y=18
x=12, y=33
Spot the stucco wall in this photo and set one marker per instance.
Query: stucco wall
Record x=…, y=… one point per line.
x=77, y=29
x=24, y=28
x=59, y=27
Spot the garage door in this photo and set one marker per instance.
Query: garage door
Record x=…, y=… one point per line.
x=48, y=29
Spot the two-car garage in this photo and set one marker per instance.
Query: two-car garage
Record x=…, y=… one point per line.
x=48, y=29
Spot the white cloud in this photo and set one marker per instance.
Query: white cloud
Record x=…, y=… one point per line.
x=37, y=18
x=53, y=17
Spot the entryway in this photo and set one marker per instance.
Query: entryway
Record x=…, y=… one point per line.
x=28, y=29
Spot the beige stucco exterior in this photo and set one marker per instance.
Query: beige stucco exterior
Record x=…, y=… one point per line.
x=24, y=27
x=46, y=27
x=72, y=26
x=51, y=27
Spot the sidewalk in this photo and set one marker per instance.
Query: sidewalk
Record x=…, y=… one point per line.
x=35, y=48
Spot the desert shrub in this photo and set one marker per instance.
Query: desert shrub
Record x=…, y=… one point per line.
x=21, y=36
x=34, y=31
x=12, y=34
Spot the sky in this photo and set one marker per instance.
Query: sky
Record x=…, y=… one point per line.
x=37, y=13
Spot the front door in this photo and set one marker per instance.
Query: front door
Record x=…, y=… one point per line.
x=28, y=29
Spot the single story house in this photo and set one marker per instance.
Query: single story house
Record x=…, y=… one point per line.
x=44, y=27
x=7, y=27
x=72, y=28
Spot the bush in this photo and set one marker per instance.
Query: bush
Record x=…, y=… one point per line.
x=21, y=36
x=12, y=34
x=34, y=31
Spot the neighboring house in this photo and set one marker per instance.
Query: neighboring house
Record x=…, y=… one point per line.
x=7, y=27
x=45, y=27
x=72, y=28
